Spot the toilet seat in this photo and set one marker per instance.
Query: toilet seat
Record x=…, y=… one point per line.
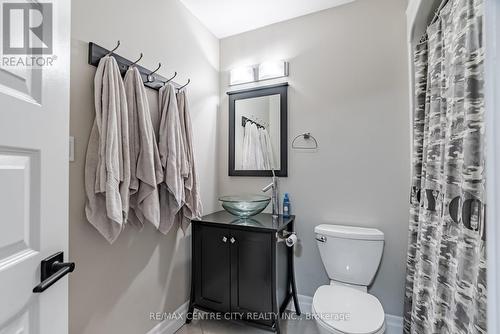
x=345, y=310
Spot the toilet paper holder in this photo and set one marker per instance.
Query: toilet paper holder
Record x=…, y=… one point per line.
x=283, y=235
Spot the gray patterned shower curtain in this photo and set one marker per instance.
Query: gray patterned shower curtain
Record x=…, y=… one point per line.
x=446, y=266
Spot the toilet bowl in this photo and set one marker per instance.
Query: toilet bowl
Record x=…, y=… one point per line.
x=351, y=256
x=344, y=310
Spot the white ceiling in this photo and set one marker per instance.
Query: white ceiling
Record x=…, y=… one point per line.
x=230, y=17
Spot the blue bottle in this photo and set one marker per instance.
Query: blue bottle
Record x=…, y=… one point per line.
x=286, y=206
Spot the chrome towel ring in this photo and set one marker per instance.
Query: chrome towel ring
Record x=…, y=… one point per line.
x=307, y=136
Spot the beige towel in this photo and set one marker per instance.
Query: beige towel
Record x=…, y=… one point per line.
x=193, y=206
x=173, y=159
x=107, y=164
x=145, y=166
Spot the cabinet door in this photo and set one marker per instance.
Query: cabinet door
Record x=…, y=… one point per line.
x=252, y=273
x=212, y=274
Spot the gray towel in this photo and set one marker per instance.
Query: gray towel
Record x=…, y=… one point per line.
x=193, y=206
x=173, y=159
x=107, y=164
x=145, y=166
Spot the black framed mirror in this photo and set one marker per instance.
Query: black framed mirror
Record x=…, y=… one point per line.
x=258, y=131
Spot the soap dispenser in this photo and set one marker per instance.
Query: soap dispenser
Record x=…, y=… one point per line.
x=286, y=206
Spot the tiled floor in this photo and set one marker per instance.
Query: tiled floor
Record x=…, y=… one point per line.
x=289, y=326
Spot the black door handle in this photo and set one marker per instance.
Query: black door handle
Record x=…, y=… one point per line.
x=52, y=270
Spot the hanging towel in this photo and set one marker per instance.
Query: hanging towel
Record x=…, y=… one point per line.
x=193, y=207
x=267, y=149
x=173, y=159
x=107, y=164
x=253, y=157
x=263, y=149
x=254, y=146
x=145, y=165
x=246, y=154
x=257, y=149
x=270, y=150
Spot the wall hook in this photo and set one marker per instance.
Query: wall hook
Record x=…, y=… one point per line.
x=135, y=62
x=151, y=77
x=172, y=78
x=116, y=47
x=189, y=81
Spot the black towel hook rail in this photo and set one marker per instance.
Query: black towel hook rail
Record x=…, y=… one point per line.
x=150, y=78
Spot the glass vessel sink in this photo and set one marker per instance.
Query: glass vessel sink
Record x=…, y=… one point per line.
x=245, y=206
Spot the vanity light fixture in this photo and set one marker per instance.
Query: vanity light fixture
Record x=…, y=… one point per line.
x=241, y=75
x=267, y=70
x=273, y=69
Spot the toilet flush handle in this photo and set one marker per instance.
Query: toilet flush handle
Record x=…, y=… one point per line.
x=320, y=238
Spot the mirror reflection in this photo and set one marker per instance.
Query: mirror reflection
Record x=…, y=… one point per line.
x=257, y=133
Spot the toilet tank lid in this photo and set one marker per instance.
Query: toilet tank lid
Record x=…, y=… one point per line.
x=349, y=232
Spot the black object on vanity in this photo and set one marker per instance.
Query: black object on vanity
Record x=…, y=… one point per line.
x=241, y=268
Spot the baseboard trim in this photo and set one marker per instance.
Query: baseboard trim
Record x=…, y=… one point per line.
x=170, y=326
x=393, y=323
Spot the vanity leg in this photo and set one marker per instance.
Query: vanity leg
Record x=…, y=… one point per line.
x=292, y=277
x=275, y=300
x=189, y=314
x=277, y=327
x=294, y=293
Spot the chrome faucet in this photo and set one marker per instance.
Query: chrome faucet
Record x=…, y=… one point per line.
x=275, y=195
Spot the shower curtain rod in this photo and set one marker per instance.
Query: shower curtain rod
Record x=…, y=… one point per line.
x=434, y=18
x=441, y=6
x=150, y=78
x=244, y=121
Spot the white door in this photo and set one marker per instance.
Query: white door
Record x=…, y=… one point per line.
x=34, y=126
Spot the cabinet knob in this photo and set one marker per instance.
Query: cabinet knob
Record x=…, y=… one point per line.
x=224, y=239
x=233, y=240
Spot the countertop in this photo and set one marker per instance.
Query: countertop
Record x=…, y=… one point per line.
x=263, y=221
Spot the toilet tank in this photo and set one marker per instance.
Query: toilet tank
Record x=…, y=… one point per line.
x=350, y=254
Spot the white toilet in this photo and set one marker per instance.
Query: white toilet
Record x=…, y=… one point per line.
x=351, y=256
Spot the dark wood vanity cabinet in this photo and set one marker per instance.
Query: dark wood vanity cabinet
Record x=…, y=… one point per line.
x=211, y=258
x=241, y=268
x=251, y=272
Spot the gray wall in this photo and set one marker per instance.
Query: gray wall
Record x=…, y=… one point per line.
x=115, y=287
x=349, y=88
